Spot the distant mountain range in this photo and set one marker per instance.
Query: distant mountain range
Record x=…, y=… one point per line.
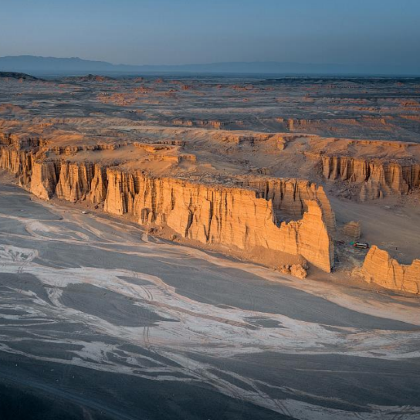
x=14, y=75
x=52, y=66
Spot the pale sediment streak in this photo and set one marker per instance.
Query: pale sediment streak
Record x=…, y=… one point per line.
x=188, y=332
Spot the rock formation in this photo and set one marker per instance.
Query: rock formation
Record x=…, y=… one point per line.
x=248, y=217
x=98, y=186
x=289, y=195
x=376, y=178
x=74, y=181
x=353, y=230
x=43, y=179
x=217, y=214
x=295, y=270
x=381, y=269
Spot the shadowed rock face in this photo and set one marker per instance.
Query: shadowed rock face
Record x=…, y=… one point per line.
x=385, y=271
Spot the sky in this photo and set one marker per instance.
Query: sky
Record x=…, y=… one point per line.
x=206, y=31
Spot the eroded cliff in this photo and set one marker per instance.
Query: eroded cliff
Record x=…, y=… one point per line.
x=248, y=217
x=380, y=268
x=375, y=178
x=217, y=214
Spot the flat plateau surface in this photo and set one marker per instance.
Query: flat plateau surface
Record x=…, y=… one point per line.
x=98, y=320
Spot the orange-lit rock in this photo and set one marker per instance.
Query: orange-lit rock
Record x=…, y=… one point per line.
x=375, y=177
x=247, y=217
x=43, y=180
x=74, y=181
x=381, y=269
x=216, y=214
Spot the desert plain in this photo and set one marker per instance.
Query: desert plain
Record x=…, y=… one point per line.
x=183, y=247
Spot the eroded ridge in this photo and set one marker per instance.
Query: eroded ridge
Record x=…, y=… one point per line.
x=380, y=268
x=255, y=214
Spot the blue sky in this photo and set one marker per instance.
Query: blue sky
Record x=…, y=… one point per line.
x=198, y=31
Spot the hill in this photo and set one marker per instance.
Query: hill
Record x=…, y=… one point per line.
x=16, y=75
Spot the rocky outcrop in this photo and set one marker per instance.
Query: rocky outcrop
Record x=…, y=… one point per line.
x=215, y=214
x=255, y=216
x=252, y=138
x=295, y=270
x=17, y=162
x=98, y=186
x=353, y=230
x=120, y=192
x=74, y=181
x=17, y=155
x=43, y=179
x=381, y=269
x=215, y=124
x=289, y=196
x=70, y=150
x=375, y=178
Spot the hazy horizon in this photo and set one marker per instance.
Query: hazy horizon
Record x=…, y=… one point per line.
x=162, y=32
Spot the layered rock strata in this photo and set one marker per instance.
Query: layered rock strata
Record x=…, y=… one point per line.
x=244, y=217
x=289, y=195
x=217, y=214
x=376, y=178
x=381, y=269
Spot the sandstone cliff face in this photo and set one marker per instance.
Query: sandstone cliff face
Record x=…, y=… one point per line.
x=74, y=181
x=387, y=272
x=219, y=215
x=289, y=195
x=249, y=217
x=43, y=179
x=17, y=162
x=98, y=186
x=376, y=178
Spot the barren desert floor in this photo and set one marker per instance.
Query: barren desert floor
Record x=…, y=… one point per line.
x=182, y=248
x=99, y=319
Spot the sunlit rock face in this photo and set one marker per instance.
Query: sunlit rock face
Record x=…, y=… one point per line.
x=242, y=217
x=216, y=214
x=387, y=272
x=270, y=171
x=376, y=178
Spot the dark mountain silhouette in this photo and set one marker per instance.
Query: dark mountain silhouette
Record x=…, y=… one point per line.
x=43, y=66
x=15, y=75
